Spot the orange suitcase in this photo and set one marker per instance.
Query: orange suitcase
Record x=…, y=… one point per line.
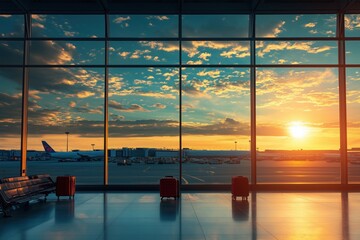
x=169, y=187
x=65, y=186
x=240, y=187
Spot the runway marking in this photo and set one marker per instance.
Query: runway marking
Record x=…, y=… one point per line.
x=201, y=180
x=145, y=170
x=186, y=182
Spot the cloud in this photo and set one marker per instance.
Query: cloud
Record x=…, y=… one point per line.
x=50, y=52
x=211, y=73
x=38, y=25
x=205, y=56
x=85, y=94
x=70, y=34
x=227, y=126
x=159, y=106
x=85, y=108
x=72, y=104
x=237, y=49
x=352, y=22
x=132, y=108
x=270, y=28
x=39, y=18
x=170, y=46
x=215, y=82
x=159, y=18
x=265, y=48
x=197, y=62
x=313, y=88
x=143, y=82
x=122, y=19
x=124, y=54
x=10, y=108
x=310, y=25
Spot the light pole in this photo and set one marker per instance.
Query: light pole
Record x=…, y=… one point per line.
x=235, y=145
x=67, y=141
x=93, y=146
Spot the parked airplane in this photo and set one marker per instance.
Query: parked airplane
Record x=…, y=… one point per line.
x=72, y=156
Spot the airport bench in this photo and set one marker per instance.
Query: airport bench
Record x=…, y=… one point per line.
x=15, y=191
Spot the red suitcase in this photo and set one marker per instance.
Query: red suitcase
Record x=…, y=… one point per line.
x=65, y=186
x=240, y=187
x=169, y=187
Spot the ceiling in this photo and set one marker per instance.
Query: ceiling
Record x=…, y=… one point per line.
x=174, y=6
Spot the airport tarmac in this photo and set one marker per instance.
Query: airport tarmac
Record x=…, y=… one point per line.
x=192, y=173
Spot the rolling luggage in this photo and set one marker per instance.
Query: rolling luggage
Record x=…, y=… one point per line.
x=169, y=187
x=65, y=186
x=240, y=187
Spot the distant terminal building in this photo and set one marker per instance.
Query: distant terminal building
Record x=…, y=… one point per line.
x=15, y=155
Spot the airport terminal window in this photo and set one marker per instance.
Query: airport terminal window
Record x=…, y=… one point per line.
x=68, y=26
x=11, y=26
x=352, y=52
x=10, y=120
x=143, y=124
x=13, y=50
x=143, y=26
x=218, y=26
x=54, y=52
x=352, y=26
x=143, y=52
x=297, y=116
x=296, y=52
x=216, y=52
x=295, y=25
x=353, y=109
x=297, y=125
x=67, y=100
x=216, y=124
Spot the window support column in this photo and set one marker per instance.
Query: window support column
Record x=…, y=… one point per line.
x=342, y=100
x=25, y=95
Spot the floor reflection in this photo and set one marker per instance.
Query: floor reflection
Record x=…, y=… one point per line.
x=240, y=210
x=169, y=209
x=64, y=211
x=105, y=216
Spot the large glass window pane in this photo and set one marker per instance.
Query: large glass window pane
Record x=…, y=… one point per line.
x=11, y=26
x=297, y=125
x=296, y=25
x=66, y=52
x=216, y=124
x=68, y=26
x=10, y=120
x=11, y=52
x=211, y=52
x=353, y=52
x=143, y=124
x=219, y=26
x=353, y=123
x=142, y=26
x=67, y=100
x=352, y=25
x=296, y=52
x=144, y=52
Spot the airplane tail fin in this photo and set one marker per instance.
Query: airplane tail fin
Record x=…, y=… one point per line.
x=47, y=147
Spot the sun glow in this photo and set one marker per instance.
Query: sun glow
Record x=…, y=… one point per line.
x=298, y=130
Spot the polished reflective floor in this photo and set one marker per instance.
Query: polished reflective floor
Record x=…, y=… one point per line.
x=305, y=215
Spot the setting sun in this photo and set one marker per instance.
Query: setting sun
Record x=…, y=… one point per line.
x=298, y=130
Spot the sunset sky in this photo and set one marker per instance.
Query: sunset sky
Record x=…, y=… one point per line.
x=297, y=108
